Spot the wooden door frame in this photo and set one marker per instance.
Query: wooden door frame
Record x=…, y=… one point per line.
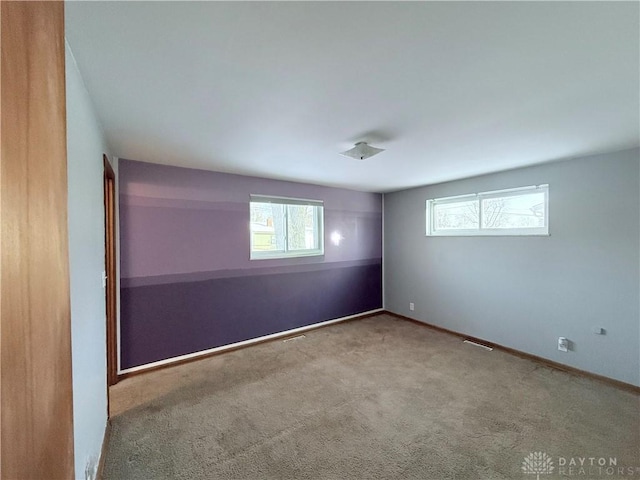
x=110, y=268
x=36, y=379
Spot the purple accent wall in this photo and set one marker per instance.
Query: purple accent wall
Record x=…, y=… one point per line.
x=187, y=283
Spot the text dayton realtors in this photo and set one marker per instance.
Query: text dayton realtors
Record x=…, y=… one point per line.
x=593, y=466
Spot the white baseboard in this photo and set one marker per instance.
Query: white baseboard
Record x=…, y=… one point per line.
x=244, y=343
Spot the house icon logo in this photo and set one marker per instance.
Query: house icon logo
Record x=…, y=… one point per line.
x=537, y=463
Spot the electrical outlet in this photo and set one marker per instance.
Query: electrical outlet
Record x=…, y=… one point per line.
x=563, y=344
x=412, y=306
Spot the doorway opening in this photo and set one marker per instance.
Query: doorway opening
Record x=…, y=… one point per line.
x=110, y=268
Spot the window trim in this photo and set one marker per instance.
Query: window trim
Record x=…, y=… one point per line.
x=289, y=201
x=483, y=231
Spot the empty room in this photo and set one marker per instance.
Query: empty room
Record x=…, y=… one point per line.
x=320, y=240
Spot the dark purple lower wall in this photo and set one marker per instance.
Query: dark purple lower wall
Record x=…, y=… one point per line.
x=166, y=320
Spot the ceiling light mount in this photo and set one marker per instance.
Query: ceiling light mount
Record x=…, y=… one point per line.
x=362, y=151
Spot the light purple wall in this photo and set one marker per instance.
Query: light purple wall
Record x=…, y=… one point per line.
x=172, y=220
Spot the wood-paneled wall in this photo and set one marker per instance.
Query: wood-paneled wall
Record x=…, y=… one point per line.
x=35, y=371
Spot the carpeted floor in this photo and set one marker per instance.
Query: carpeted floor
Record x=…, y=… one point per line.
x=368, y=399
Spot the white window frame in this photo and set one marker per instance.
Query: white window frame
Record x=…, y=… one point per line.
x=286, y=253
x=431, y=231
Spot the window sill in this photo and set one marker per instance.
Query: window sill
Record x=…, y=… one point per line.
x=488, y=234
x=276, y=255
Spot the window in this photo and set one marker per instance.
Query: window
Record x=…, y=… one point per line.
x=285, y=227
x=517, y=211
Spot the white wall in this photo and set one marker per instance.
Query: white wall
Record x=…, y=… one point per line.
x=85, y=146
x=525, y=292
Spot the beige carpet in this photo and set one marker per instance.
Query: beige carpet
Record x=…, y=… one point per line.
x=368, y=399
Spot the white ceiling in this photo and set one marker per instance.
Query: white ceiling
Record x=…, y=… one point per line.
x=278, y=89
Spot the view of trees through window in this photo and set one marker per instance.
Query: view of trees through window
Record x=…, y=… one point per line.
x=514, y=210
x=282, y=227
x=521, y=211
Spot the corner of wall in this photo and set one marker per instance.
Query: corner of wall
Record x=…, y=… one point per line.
x=86, y=145
x=384, y=282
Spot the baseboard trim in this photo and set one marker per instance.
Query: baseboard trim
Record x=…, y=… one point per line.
x=544, y=361
x=235, y=346
x=103, y=450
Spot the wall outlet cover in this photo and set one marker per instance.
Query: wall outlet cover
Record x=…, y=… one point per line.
x=563, y=344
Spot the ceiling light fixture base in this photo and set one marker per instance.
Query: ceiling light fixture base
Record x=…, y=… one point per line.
x=362, y=151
